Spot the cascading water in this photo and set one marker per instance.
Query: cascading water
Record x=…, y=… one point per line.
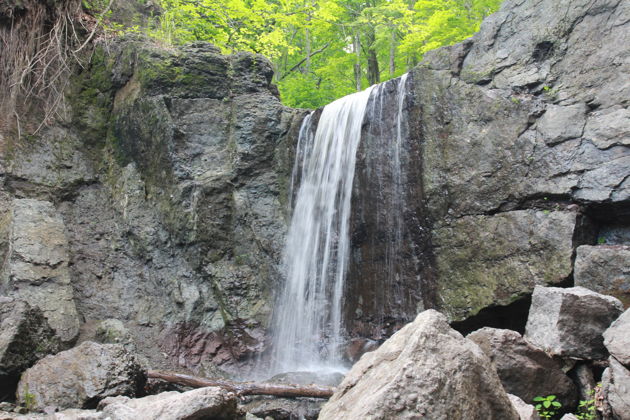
x=308, y=319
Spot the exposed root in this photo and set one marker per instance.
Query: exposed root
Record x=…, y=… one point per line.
x=39, y=40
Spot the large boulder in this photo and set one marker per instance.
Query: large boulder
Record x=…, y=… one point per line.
x=616, y=389
x=524, y=370
x=204, y=403
x=81, y=377
x=604, y=269
x=36, y=267
x=25, y=337
x=570, y=322
x=427, y=370
x=617, y=338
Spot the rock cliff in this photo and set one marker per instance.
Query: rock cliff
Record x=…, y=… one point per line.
x=158, y=202
x=160, y=199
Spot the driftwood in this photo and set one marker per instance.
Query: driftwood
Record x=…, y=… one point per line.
x=246, y=388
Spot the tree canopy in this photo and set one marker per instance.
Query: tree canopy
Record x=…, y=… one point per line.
x=324, y=49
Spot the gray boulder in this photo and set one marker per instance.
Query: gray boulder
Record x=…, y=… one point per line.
x=604, y=269
x=525, y=411
x=25, y=337
x=616, y=389
x=426, y=369
x=570, y=322
x=203, y=403
x=283, y=408
x=617, y=338
x=81, y=377
x=524, y=370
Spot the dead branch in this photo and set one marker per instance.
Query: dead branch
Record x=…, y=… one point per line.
x=246, y=388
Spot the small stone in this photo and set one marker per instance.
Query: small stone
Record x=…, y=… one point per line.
x=526, y=411
x=617, y=339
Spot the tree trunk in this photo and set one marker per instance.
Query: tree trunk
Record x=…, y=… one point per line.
x=246, y=388
x=392, y=52
x=356, y=45
x=373, y=72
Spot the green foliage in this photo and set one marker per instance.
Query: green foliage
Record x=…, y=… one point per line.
x=601, y=240
x=547, y=406
x=586, y=408
x=29, y=399
x=324, y=49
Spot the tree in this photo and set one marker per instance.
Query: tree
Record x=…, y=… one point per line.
x=324, y=49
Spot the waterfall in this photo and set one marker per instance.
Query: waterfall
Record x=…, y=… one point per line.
x=308, y=331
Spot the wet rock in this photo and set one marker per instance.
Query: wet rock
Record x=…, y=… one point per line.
x=81, y=377
x=358, y=347
x=306, y=378
x=283, y=408
x=209, y=402
x=617, y=339
x=492, y=260
x=25, y=337
x=570, y=322
x=36, y=266
x=604, y=269
x=524, y=370
x=569, y=417
x=616, y=389
x=425, y=369
x=525, y=411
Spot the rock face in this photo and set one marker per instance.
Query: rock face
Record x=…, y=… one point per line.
x=527, y=114
x=524, y=370
x=169, y=188
x=36, y=266
x=425, y=369
x=617, y=339
x=491, y=259
x=25, y=337
x=203, y=403
x=570, y=322
x=616, y=389
x=604, y=269
x=161, y=200
x=81, y=377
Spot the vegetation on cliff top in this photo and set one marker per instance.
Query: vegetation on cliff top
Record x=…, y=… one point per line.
x=324, y=49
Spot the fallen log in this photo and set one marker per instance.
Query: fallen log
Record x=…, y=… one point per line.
x=246, y=388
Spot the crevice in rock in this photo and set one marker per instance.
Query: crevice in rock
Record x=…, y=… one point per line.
x=542, y=51
x=8, y=387
x=511, y=317
x=611, y=223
